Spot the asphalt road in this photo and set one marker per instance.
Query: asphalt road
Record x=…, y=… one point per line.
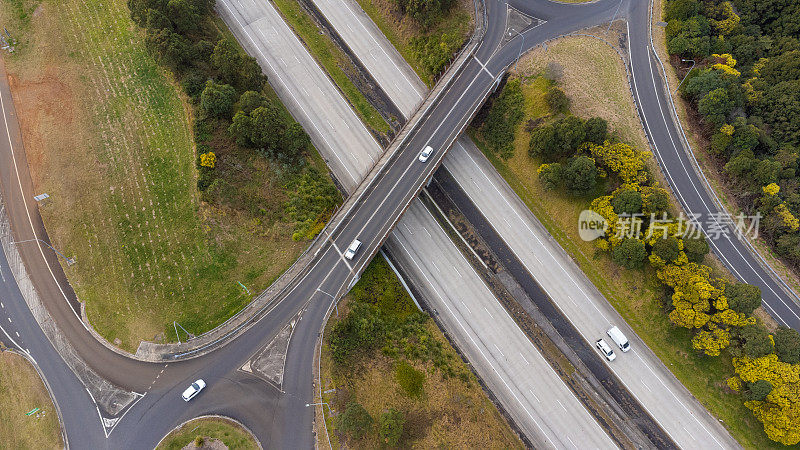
x=514, y=227
x=281, y=420
x=679, y=166
x=445, y=276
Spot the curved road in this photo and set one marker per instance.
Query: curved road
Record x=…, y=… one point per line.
x=279, y=417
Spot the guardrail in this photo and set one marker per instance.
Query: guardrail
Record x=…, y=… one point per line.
x=264, y=302
x=687, y=147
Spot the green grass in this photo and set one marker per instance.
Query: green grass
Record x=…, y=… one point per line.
x=108, y=137
x=231, y=434
x=399, y=30
x=21, y=390
x=332, y=60
x=636, y=294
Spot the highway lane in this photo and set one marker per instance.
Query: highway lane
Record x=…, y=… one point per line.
x=400, y=176
x=422, y=245
x=678, y=166
x=662, y=395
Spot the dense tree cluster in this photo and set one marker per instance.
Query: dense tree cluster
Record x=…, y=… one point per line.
x=227, y=87
x=746, y=88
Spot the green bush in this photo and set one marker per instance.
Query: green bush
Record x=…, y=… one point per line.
x=391, y=427
x=504, y=117
x=630, y=253
x=355, y=421
x=410, y=379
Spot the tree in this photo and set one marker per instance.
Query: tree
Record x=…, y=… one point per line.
x=580, y=175
x=655, y=200
x=551, y=175
x=627, y=201
x=217, y=99
x=184, y=15
x=743, y=297
x=623, y=160
x=755, y=341
x=169, y=48
x=681, y=9
x=668, y=249
x=596, y=130
x=571, y=134
x=715, y=106
x=630, y=253
x=556, y=99
x=712, y=342
x=355, y=421
x=226, y=60
x=759, y=390
x=391, y=427
x=787, y=345
x=696, y=249
x=504, y=116
x=250, y=100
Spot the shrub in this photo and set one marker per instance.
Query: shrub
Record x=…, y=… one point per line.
x=391, y=427
x=410, y=379
x=787, y=345
x=556, y=99
x=355, y=421
x=630, y=253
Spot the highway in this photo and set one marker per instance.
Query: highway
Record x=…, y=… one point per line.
x=280, y=419
x=645, y=376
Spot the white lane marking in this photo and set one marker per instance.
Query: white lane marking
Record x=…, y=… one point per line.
x=437, y=267
x=562, y=405
x=427, y=232
x=400, y=71
x=645, y=385
x=409, y=229
x=467, y=307
x=483, y=66
x=459, y=273
x=523, y=358
x=534, y=395
x=499, y=351
x=475, y=345
x=487, y=312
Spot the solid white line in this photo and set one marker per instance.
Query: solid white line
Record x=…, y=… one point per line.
x=28, y=212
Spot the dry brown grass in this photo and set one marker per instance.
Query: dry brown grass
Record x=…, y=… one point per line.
x=21, y=390
x=451, y=412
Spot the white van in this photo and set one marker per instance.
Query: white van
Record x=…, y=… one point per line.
x=616, y=335
x=351, y=251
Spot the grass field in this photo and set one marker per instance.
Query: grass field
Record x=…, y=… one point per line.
x=21, y=390
x=333, y=61
x=229, y=433
x=108, y=137
x=637, y=295
x=400, y=29
x=449, y=412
